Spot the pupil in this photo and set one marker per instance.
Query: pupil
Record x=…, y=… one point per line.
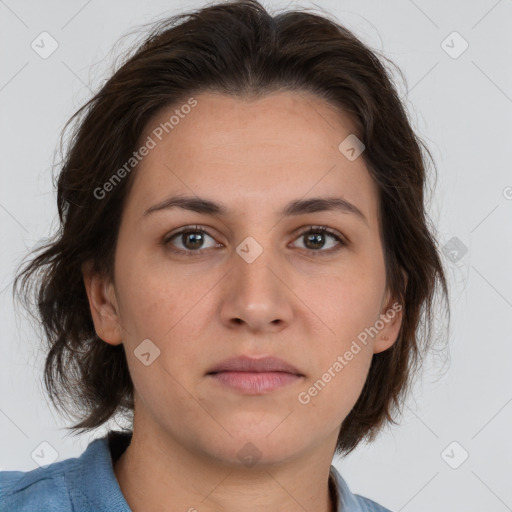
x=316, y=239
x=195, y=238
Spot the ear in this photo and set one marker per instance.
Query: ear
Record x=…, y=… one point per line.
x=391, y=316
x=103, y=305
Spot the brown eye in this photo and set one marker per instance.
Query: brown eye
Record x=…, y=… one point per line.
x=315, y=240
x=196, y=240
x=189, y=240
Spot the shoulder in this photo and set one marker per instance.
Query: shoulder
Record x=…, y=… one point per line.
x=347, y=501
x=86, y=483
x=43, y=488
x=368, y=505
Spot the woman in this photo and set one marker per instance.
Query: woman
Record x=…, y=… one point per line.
x=242, y=265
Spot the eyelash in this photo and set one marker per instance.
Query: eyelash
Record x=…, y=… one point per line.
x=312, y=229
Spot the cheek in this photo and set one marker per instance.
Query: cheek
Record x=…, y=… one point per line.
x=165, y=309
x=153, y=296
x=348, y=304
x=327, y=398
x=161, y=393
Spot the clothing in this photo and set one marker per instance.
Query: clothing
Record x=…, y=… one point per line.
x=88, y=484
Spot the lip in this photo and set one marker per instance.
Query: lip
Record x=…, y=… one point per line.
x=256, y=365
x=255, y=383
x=255, y=376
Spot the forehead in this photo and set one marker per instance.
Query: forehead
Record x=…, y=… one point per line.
x=251, y=153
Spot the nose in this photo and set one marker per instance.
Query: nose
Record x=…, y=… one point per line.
x=256, y=295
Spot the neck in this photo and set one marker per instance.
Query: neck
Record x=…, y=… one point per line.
x=152, y=473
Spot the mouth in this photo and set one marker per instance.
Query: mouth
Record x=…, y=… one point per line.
x=255, y=376
x=252, y=364
x=255, y=383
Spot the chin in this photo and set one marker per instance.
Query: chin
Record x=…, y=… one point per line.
x=253, y=446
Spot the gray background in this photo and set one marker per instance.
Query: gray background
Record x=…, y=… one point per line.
x=461, y=106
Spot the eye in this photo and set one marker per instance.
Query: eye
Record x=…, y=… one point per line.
x=192, y=239
x=315, y=239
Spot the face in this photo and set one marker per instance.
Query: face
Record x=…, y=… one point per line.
x=248, y=280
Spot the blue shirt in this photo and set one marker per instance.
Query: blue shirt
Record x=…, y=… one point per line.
x=88, y=484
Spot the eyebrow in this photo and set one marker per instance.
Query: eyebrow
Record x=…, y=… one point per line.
x=293, y=208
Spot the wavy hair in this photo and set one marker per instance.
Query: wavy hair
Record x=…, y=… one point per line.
x=237, y=49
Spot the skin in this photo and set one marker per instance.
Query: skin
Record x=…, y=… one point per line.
x=303, y=306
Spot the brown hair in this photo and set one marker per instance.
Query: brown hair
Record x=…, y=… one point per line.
x=237, y=49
